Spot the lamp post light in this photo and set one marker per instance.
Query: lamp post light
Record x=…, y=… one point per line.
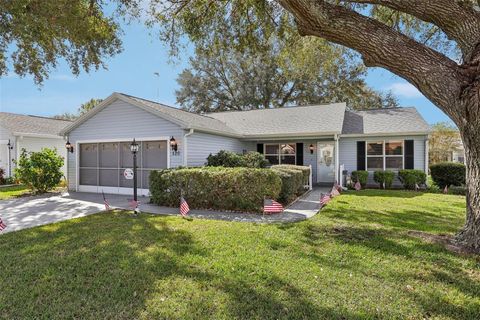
x=134, y=149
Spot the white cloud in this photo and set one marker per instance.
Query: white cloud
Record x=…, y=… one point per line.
x=405, y=90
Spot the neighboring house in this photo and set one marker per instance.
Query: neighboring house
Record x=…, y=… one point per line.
x=323, y=136
x=32, y=133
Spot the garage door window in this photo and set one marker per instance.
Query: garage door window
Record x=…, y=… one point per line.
x=103, y=164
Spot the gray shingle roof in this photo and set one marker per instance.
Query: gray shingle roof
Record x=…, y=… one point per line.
x=27, y=124
x=302, y=120
x=190, y=119
x=384, y=121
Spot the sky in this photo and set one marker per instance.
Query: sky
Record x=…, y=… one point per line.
x=132, y=72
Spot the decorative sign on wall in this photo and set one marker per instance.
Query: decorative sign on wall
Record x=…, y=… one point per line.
x=128, y=174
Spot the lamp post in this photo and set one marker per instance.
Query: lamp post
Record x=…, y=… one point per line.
x=134, y=150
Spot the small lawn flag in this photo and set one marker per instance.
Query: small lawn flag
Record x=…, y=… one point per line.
x=184, y=208
x=445, y=190
x=2, y=225
x=337, y=187
x=272, y=206
x=324, y=199
x=134, y=205
x=358, y=186
x=105, y=202
x=334, y=192
x=417, y=187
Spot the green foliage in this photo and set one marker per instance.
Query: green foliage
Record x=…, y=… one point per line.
x=361, y=176
x=2, y=176
x=384, y=178
x=410, y=177
x=448, y=174
x=444, y=139
x=304, y=169
x=41, y=171
x=84, y=108
x=239, y=189
x=292, y=183
x=231, y=159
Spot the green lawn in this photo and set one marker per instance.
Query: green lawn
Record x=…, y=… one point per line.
x=356, y=260
x=12, y=192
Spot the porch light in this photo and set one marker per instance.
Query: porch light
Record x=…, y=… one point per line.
x=311, y=148
x=134, y=146
x=10, y=145
x=173, y=144
x=69, y=147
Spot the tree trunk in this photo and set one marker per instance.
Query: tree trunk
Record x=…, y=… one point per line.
x=469, y=236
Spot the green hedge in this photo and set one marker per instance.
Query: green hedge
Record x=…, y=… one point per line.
x=231, y=159
x=360, y=175
x=292, y=183
x=384, y=178
x=410, y=177
x=304, y=169
x=448, y=174
x=238, y=189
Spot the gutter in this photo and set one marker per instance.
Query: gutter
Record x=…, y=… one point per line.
x=185, y=146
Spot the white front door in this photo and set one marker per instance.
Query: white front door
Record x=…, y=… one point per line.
x=326, y=162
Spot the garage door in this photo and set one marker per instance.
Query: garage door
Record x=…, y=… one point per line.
x=102, y=165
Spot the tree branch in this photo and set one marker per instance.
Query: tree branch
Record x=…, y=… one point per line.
x=459, y=22
x=434, y=74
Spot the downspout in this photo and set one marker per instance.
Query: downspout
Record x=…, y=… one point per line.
x=337, y=160
x=426, y=154
x=185, y=147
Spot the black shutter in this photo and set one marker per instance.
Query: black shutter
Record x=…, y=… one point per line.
x=409, y=154
x=299, y=154
x=360, y=155
x=260, y=148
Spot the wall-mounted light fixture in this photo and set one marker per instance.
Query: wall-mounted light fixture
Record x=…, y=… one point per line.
x=10, y=145
x=173, y=146
x=311, y=148
x=69, y=147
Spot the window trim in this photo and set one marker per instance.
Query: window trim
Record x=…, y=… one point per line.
x=384, y=156
x=279, y=154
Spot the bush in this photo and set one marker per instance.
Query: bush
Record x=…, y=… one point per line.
x=384, y=178
x=292, y=183
x=41, y=171
x=448, y=174
x=410, y=177
x=361, y=176
x=457, y=190
x=239, y=189
x=304, y=169
x=2, y=176
x=231, y=159
x=254, y=160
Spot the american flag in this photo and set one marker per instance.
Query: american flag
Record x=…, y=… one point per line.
x=358, y=186
x=334, y=192
x=184, y=208
x=133, y=204
x=272, y=206
x=445, y=190
x=105, y=202
x=337, y=186
x=324, y=199
x=2, y=225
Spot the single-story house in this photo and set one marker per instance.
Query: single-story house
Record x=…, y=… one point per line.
x=327, y=137
x=32, y=133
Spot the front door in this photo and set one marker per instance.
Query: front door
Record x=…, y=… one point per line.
x=326, y=162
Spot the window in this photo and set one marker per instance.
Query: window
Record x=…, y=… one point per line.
x=284, y=153
x=384, y=155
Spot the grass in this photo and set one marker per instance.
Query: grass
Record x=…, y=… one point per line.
x=13, y=191
x=355, y=260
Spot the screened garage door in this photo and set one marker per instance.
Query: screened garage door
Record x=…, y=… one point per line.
x=102, y=165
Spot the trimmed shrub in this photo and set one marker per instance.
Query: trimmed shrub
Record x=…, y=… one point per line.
x=361, y=176
x=457, y=190
x=304, y=169
x=2, y=176
x=231, y=160
x=448, y=174
x=254, y=159
x=384, y=178
x=410, y=177
x=41, y=171
x=225, y=159
x=238, y=189
x=292, y=184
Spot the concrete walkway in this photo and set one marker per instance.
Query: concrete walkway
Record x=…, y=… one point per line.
x=27, y=212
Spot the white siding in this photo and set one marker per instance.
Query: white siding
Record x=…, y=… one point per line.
x=121, y=120
x=200, y=145
x=6, y=135
x=37, y=144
